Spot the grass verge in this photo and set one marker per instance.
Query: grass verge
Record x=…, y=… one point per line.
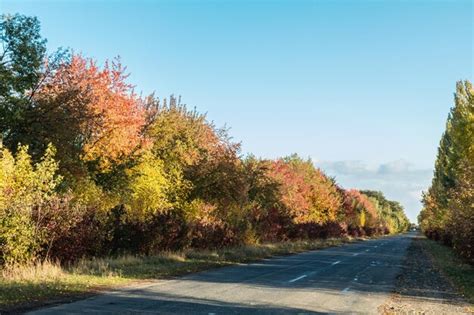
x=34, y=285
x=460, y=273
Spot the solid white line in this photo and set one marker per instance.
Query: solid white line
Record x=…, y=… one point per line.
x=335, y=263
x=299, y=278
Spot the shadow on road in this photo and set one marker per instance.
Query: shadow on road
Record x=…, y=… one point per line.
x=171, y=304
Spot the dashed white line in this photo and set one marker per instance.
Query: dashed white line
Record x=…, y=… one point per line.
x=335, y=263
x=355, y=254
x=346, y=290
x=299, y=278
x=367, y=250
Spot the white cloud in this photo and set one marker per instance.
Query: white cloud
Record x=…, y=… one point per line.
x=399, y=180
x=395, y=167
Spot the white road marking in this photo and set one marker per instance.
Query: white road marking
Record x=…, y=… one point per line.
x=299, y=278
x=335, y=263
x=355, y=279
x=355, y=254
x=367, y=250
x=346, y=290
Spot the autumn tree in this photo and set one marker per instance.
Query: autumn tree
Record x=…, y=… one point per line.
x=359, y=211
x=461, y=206
x=182, y=138
x=390, y=213
x=26, y=193
x=201, y=161
x=455, y=155
x=103, y=115
x=309, y=194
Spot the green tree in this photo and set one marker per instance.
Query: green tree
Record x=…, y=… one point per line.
x=24, y=66
x=22, y=54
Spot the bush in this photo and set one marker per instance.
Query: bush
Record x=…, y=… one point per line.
x=27, y=190
x=85, y=238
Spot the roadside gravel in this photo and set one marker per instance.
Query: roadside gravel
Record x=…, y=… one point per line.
x=422, y=289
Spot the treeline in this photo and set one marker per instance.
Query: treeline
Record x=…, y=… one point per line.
x=448, y=213
x=90, y=168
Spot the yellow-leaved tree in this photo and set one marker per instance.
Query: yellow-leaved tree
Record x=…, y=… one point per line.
x=25, y=189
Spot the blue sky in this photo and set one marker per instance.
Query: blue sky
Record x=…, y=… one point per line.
x=361, y=87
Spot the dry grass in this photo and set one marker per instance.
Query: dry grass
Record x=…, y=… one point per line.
x=43, y=271
x=34, y=284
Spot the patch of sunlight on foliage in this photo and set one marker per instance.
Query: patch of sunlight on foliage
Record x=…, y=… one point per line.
x=25, y=187
x=149, y=187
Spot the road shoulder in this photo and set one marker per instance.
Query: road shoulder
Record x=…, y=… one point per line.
x=422, y=288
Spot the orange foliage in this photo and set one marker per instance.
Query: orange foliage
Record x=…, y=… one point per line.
x=356, y=206
x=308, y=194
x=293, y=188
x=108, y=114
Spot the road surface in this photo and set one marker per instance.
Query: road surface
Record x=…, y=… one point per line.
x=353, y=278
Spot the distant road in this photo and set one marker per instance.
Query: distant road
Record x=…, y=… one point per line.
x=353, y=278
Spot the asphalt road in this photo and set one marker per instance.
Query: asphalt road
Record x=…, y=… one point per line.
x=353, y=278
